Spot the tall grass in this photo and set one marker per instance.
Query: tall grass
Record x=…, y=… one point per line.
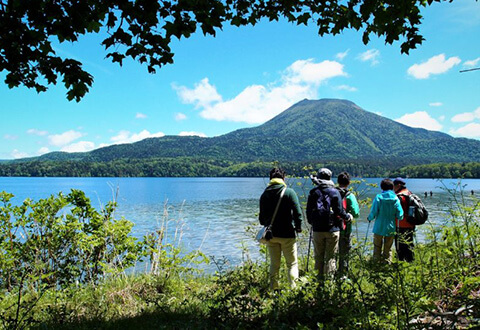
x=439, y=289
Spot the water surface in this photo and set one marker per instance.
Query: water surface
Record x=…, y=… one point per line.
x=210, y=214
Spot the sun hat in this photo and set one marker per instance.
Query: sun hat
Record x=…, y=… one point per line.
x=324, y=173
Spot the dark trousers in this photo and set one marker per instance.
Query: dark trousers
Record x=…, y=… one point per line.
x=404, y=244
x=344, y=247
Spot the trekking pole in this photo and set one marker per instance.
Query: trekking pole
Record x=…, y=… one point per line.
x=366, y=236
x=309, y=245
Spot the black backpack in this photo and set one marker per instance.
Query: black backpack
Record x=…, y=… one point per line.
x=323, y=212
x=417, y=212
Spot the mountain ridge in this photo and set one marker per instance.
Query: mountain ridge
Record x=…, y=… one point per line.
x=310, y=130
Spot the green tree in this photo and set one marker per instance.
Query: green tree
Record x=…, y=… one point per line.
x=144, y=29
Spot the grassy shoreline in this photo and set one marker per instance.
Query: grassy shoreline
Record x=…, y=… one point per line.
x=68, y=271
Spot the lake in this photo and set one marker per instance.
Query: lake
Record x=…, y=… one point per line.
x=211, y=214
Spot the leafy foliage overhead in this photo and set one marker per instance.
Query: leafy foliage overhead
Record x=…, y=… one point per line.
x=144, y=29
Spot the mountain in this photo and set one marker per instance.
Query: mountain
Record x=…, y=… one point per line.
x=320, y=130
x=315, y=131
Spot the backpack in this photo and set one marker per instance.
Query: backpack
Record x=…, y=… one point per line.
x=323, y=211
x=417, y=212
x=343, y=193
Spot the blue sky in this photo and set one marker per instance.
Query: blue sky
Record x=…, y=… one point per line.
x=245, y=76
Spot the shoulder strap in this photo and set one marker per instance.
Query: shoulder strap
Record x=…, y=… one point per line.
x=278, y=205
x=343, y=192
x=407, y=196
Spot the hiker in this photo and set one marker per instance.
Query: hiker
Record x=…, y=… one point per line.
x=287, y=222
x=405, y=230
x=325, y=213
x=350, y=205
x=385, y=209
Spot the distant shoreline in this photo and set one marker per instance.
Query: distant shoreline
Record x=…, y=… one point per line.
x=175, y=168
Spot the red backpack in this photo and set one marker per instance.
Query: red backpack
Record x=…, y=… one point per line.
x=343, y=193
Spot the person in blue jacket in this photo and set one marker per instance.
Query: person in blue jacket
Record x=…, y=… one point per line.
x=385, y=209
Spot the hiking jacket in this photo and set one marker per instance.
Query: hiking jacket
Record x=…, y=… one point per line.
x=352, y=207
x=336, y=205
x=402, y=222
x=289, y=216
x=385, y=209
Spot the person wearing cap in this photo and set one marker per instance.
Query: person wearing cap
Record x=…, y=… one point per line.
x=405, y=230
x=325, y=212
x=385, y=209
x=286, y=225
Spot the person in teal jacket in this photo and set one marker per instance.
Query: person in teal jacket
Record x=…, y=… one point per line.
x=385, y=209
x=352, y=208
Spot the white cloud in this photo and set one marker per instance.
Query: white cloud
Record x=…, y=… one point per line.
x=341, y=56
x=140, y=115
x=34, y=131
x=346, y=88
x=309, y=72
x=180, y=116
x=472, y=63
x=435, y=104
x=471, y=130
x=65, y=138
x=43, y=150
x=81, y=146
x=371, y=55
x=420, y=119
x=441, y=118
x=10, y=137
x=203, y=95
x=192, y=134
x=435, y=65
x=18, y=154
x=128, y=137
x=463, y=117
x=466, y=116
x=258, y=103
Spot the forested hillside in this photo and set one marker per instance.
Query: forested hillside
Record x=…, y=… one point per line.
x=337, y=132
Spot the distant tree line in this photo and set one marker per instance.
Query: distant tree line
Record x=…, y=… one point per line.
x=470, y=170
x=193, y=167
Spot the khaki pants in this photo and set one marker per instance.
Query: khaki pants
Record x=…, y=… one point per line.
x=325, y=246
x=382, y=247
x=288, y=246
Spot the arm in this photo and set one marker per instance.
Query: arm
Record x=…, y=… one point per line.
x=296, y=209
x=399, y=210
x=373, y=210
x=262, y=213
x=310, y=206
x=352, y=206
